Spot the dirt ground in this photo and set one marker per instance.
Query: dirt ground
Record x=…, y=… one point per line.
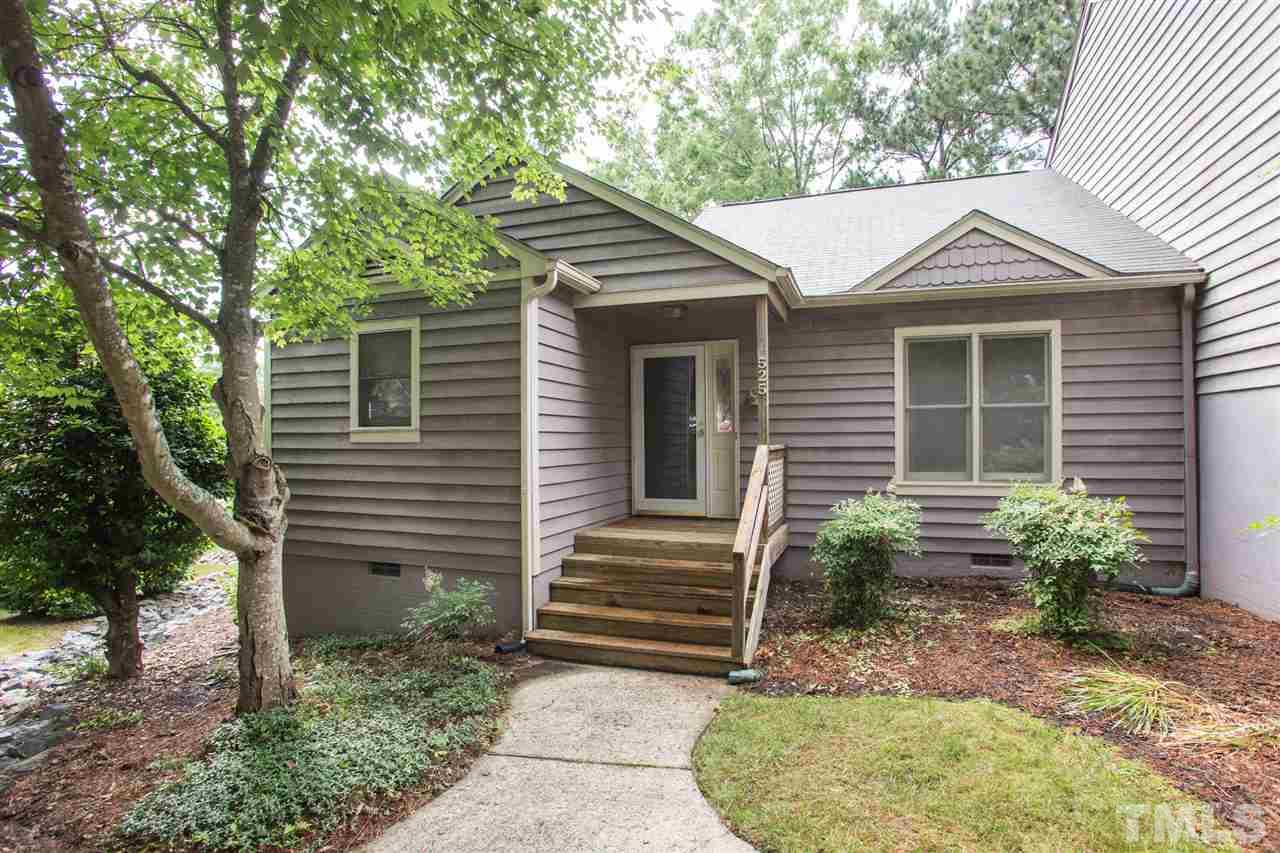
x=75, y=799
x=945, y=646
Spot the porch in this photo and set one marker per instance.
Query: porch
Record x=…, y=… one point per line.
x=675, y=594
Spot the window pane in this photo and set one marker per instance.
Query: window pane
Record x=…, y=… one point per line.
x=385, y=354
x=385, y=395
x=670, y=427
x=938, y=444
x=938, y=371
x=1014, y=442
x=1015, y=370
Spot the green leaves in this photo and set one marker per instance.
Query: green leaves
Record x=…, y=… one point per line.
x=856, y=550
x=1067, y=540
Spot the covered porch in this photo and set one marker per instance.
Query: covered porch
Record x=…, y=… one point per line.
x=662, y=505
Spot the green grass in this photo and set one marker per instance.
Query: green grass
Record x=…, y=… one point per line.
x=374, y=719
x=889, y=773
x=200, y=570
x=29, y=633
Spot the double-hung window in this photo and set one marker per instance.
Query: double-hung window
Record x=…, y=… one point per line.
x=385, y=385
x=978, y=406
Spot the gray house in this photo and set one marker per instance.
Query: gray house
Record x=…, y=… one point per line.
x=643, y=419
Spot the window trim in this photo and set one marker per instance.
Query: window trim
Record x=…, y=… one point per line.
x=409, y=433
x=974, y=487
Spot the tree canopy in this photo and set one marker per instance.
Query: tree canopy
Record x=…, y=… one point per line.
x=783, y=97
x=239, y=161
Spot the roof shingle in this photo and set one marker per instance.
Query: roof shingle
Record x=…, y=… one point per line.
x=836, y=240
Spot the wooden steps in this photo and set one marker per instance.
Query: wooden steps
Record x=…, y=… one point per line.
x=648, y=593
x=629, y=651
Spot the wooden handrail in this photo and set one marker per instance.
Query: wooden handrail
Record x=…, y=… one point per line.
x=755, y=526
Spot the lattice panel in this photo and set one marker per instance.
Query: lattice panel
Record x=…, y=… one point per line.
x=777, y=491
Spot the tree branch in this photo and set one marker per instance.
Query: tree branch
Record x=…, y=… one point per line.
x=264, y=148
x=144, y=75
x=140, y=281
x=39, y=123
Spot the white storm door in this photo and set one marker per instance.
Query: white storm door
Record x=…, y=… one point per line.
x=668, y=429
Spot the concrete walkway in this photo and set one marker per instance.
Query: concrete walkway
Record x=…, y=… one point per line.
x=593, y=759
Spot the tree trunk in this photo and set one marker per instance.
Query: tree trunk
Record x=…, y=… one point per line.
x=124, y=646
x=266, y=675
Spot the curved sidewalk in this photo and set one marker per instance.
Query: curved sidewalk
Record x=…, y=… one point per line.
x=592, y=759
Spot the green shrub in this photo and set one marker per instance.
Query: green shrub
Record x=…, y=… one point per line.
x=1068, y=541
x=272, y=778
x=452, y=614
x=856, y=550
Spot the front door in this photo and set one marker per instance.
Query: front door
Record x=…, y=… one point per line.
x=684, y=435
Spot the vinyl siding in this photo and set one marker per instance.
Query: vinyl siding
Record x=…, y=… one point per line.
x=450, y=501
x=1173, y=119
x=584, y=448
x=832, y=376
x=621, y=250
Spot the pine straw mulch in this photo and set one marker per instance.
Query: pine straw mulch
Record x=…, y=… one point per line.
x=74, y=801
x=944, y=645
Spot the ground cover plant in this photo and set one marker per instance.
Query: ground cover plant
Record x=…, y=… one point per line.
x=893, y=773
x=376, y=714
x=966, y=638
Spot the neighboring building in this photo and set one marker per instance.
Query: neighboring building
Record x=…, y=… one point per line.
x=1172, y=118
x=642, y=412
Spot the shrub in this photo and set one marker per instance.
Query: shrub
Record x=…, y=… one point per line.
x=1068, y=540
x=451, y=614
x=77, y=519
x=856, y=549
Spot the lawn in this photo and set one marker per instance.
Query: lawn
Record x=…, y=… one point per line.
x=20, y=633
x=1190, y=688
x=895, y=773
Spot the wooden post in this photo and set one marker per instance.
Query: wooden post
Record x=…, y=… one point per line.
x=762, y=365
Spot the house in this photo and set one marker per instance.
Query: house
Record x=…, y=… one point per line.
x=643, y=419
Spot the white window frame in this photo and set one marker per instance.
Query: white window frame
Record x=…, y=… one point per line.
x=396, y=434
x=974, y=487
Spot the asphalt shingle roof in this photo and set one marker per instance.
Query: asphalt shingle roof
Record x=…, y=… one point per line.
x=833, y=241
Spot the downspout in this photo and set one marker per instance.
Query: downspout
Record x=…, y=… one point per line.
x=1190, y=585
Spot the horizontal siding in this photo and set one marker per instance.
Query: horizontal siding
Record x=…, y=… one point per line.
x=451, y=501
x=1174, y=120
x=623, y=251
x=832, y=406
x=583, y=435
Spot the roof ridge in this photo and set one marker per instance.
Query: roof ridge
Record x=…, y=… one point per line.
x=880, y=187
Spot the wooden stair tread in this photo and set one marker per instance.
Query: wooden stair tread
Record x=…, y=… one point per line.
x=670, y=618
x=630, y=644
x=647, y=535
x=643, y=587
x=653, y=562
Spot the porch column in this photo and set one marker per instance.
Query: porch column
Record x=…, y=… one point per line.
x=762, y=366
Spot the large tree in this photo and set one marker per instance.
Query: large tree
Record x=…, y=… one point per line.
x=783, y=97
x=756, y=98
x=184, y=150
x=966, y=93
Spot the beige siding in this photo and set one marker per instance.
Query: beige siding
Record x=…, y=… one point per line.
x=1173, y=119
x=583, y=428
x=832, y=381
x=450, y=502
x=621, y=250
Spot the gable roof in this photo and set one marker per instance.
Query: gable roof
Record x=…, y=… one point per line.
x=976, y=249
x=837, y=241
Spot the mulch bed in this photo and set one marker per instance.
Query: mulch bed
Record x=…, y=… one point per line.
x=945, y=646
x=74, y=801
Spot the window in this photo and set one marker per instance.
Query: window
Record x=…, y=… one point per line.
x=385, y=390
x=978, y=405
